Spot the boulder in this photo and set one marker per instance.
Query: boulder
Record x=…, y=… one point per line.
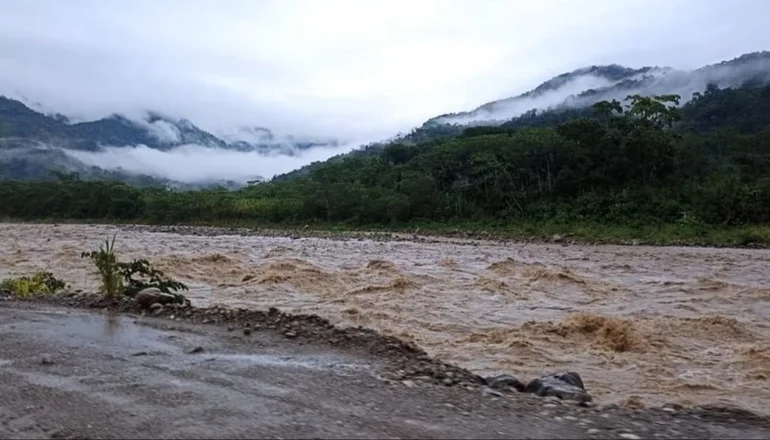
x=503, y=382
x=147, y=297
x=564, y=385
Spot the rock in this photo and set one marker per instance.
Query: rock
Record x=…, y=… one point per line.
x=672, y=407
x=290, y=335
x=156, y=308
x=634, y=402
x=557, y=238
x=629, y=436
x=230, y=328
x=46, y=359
x=491, y=393
x=147, y=297
x=409, y=383
x=448, y=381
x=504, y=382
x=246, y=331
x=194, y=350
x=140, y=353
x=564, y=385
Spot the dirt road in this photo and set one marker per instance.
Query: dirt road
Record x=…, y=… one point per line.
x=66, y=373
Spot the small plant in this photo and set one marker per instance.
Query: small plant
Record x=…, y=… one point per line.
x=40, y=282
x=106, y=263
x=155, y=278
x=118, y=277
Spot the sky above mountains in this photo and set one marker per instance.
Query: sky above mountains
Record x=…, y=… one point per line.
x=358, y=69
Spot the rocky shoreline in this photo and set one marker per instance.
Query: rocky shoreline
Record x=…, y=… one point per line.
x=308, y=328
x=410, y=365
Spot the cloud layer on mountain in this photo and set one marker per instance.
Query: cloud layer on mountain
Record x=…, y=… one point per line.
x=197, y=164
x=586, y=86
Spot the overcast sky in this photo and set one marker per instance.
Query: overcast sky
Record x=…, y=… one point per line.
x=358, y=68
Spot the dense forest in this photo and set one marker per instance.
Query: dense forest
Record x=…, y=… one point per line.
x=642, y=162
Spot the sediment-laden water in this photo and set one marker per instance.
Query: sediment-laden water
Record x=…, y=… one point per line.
x=642, y=325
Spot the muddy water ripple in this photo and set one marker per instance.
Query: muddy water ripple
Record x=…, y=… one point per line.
x=641, y=324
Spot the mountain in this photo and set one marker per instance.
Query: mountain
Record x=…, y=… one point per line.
x=583, y=87
x=20, y=124
x=33, y=143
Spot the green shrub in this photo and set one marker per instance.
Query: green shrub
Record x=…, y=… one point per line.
x=118, y=277
x=39, y=283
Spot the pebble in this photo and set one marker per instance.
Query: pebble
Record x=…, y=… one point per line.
x=246, y=331
x=409, y=383
x=490, y=392
x=629, y=436
x=46, y=359
x=195, y=350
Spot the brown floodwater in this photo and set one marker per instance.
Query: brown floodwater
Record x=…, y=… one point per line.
x=642, y=325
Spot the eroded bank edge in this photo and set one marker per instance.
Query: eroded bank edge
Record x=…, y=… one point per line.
x=409, y=364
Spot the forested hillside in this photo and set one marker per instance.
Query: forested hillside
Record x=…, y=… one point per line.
x=638, y=163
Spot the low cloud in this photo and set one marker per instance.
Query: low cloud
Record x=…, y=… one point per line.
x=510, y=108
x=196, y=164
x=656, y=81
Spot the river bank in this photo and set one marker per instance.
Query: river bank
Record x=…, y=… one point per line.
x=67, y=373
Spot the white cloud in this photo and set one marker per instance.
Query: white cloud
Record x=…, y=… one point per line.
x=194, y=163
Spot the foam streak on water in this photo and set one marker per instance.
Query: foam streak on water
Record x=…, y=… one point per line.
x=685, y=325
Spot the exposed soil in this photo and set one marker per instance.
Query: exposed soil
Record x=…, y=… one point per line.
x=111, y=373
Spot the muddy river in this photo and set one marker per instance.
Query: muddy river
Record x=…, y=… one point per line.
x=642, y=325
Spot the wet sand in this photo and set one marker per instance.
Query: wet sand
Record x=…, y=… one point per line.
x=643, y=325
